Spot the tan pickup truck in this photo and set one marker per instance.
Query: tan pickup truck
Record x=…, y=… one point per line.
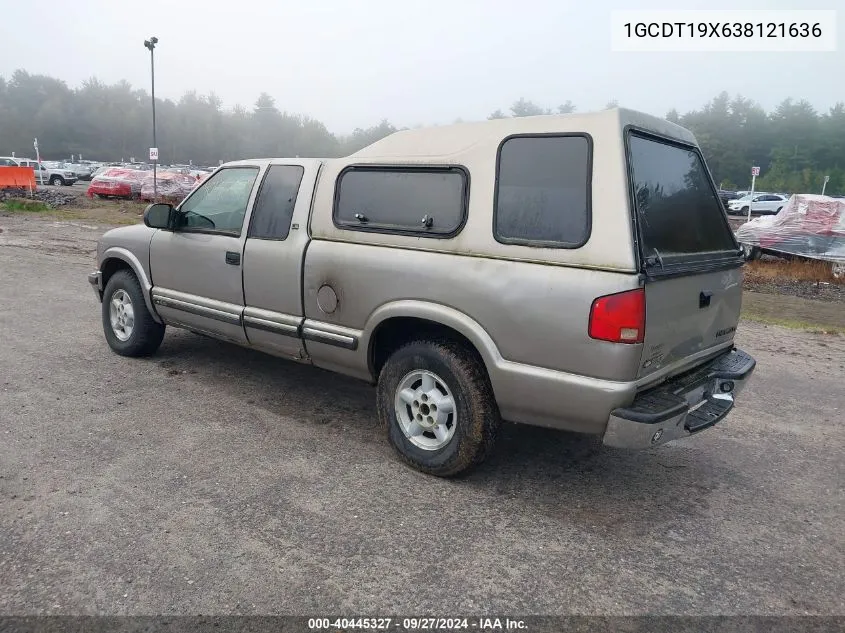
x=574, y=271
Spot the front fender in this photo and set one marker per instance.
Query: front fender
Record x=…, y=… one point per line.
x=127, y=256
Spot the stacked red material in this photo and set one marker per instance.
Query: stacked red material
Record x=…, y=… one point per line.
x=809, y=225
x=171, y=186
x=117, y=183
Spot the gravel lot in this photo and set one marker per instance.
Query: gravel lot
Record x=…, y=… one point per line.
x=213, y=479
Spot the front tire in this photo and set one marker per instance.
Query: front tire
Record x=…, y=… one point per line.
x=56, y=181
x=437, y=407
x=128, y=325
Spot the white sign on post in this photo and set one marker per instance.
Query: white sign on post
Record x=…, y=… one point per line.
x=755, y=171
x=38, y=160
x=154, y=153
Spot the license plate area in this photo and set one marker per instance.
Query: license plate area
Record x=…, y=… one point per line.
x=698, y=393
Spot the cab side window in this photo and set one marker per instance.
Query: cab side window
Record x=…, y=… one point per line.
x=219, y=205
x=273, y=210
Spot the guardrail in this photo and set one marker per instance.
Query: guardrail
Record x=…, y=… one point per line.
x=17, y=178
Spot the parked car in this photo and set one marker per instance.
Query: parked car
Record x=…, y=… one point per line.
x=82, y=172
x=43, y=174
x=726, y=196
x=761, y=204
x=117, y=182
x=100, y=170
x=472, y=272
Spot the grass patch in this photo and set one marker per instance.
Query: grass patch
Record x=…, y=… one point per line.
x=761, y=271
x=793, y=324
x=113, y=212
x=25, y=206
x=796, y=313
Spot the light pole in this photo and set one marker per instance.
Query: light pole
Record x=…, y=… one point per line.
x=151, y=44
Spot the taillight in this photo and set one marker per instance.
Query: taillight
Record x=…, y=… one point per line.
x=619, y=318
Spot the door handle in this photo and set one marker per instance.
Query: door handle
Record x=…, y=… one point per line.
x=233, y=258
x=704, y=299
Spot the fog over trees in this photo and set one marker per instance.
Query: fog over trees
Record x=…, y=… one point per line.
x=795, y=145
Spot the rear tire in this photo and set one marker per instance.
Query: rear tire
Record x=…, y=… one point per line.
x=127, y=323
x=415, y=380
x=837, y=269
x=751, y=253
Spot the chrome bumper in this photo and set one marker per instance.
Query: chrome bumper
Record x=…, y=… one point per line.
x=96, y=281
x=682, y=406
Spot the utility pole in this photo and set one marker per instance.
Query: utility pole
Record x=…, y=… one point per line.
x=151, y=44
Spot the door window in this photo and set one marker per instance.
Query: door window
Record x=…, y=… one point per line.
x=219, y=205
x=273, y=211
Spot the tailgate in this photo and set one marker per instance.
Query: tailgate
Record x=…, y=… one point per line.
x=687, y=315
x=690, y=260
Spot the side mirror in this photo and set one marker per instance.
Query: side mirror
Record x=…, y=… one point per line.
x=159, y=216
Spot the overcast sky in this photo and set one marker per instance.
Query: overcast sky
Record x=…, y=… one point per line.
x=350, y=63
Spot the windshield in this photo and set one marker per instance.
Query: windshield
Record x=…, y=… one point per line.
x=677, y=207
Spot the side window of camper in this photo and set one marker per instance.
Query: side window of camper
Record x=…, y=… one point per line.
x=543, y=191
x=423, y=201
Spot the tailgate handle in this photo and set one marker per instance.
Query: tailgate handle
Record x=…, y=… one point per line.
x=704, y=299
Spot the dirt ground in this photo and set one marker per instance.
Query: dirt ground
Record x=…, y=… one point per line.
x=213, y=479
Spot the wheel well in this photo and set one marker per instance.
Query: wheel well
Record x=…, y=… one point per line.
x=111, y=266
x=391, y=334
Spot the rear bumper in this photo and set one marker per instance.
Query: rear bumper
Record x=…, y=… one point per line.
x=685, y=405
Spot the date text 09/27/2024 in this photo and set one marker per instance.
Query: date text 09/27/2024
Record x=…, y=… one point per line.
x=416, y=624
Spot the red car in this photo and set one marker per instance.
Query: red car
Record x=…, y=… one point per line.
x=117, y=183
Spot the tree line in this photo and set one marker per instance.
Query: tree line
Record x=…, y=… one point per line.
x=794, y=145
x=113, y=122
